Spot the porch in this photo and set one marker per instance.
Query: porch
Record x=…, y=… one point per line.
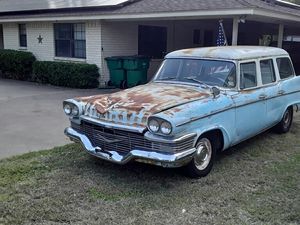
x=156, y=38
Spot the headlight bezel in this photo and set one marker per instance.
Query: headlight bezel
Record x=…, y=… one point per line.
x=74, y=108
x=160, y=122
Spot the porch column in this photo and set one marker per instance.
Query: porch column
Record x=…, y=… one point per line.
x=235, y=31
x=280, y=35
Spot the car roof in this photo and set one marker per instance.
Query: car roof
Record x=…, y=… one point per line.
x=229, y=52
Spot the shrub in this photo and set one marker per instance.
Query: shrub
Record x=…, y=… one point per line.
x=75, y=75
x=16, y=64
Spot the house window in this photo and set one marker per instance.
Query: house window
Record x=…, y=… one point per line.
x=152, y=41
x=22, y=35
x=70, y=40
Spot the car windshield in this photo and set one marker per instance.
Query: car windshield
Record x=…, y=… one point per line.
x=198, y=71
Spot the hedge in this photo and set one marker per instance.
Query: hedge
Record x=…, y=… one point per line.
x=16, y=64
x=75, y=75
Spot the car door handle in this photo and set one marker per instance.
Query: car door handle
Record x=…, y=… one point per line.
x=281, y=92
x=262, y=96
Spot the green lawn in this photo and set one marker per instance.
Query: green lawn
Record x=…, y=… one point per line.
x=256, y=182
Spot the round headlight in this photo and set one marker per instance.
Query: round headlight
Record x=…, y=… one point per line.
x=166, y=128
x=75, y=111
x=153, y=125
x=68, y=109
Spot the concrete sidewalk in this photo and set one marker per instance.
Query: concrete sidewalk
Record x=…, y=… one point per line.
x=31, y=116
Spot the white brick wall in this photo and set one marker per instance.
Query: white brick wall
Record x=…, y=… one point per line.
x=93, y=43
x=1, y=37
x=45, y=51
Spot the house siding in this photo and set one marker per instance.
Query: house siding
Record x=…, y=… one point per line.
x=121, y=38
x=1, y=37
x=11, y=36
x=118, y=39
x=43, y=51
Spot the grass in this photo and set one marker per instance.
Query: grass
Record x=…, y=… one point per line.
x=256, y=182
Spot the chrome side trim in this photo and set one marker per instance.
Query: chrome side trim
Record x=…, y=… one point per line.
x=232, y=107
x=113, y=125
x=151, y=137
x=204, y=116
x=164, y=159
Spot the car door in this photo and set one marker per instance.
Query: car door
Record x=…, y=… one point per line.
x=272, y=91
x=250, y=102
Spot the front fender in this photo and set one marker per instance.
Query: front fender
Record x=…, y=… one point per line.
x=203, y=116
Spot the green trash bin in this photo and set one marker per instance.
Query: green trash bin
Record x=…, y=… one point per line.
x=136, y=69
x=116, y=71
x=136, y=77
x=136, y=63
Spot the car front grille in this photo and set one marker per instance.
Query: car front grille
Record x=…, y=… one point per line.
x=124, y=142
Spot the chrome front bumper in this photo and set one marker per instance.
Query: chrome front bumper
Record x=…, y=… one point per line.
x=163, y=159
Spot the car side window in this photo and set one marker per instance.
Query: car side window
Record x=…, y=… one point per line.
x=248, y=75
x=267, y=71
x=285, y=67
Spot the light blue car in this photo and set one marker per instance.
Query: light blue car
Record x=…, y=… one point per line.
x=200, y=102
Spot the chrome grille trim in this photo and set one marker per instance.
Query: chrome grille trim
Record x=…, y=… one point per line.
x=127, y=141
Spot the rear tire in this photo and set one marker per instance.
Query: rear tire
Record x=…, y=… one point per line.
x=286, y=122
x=203, y=160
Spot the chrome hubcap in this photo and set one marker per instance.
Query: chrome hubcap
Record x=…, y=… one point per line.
x=203, y=154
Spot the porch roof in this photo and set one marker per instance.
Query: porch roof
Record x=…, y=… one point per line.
x=135, y=9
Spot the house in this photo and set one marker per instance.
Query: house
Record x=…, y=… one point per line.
x=91, y=30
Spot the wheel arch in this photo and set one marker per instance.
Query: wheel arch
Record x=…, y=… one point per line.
x=218, y=134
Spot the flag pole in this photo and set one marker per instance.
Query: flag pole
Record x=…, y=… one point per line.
x=221, y=24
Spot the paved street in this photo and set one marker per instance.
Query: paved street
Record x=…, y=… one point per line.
x=31, y=116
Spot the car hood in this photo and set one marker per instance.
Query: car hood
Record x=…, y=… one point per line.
x=133, y=106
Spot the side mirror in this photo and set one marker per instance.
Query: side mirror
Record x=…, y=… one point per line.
x=215, y=91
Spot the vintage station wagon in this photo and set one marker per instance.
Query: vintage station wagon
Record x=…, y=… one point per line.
x=201, y=101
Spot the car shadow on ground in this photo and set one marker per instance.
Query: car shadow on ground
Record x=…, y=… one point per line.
x=133, y=172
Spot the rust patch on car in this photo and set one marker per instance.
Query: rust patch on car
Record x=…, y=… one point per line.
x=137, y=104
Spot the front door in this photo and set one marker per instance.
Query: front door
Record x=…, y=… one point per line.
x=1, y=37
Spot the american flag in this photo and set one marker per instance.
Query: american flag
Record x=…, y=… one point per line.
x=221, y=39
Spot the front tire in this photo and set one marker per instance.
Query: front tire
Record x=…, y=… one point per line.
x=286, y=122
x=203, y=160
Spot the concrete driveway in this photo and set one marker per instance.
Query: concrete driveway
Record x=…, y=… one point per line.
x=31, y=116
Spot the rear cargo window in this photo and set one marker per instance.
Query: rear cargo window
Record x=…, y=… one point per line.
x=285, y=67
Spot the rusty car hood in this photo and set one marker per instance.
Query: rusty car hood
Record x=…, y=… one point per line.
x=133, y=106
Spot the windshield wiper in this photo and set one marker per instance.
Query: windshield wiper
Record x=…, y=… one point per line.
x=198, y=81
x=167, y=78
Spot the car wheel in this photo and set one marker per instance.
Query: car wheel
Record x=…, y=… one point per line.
x=203, y=160
x=286, y=122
